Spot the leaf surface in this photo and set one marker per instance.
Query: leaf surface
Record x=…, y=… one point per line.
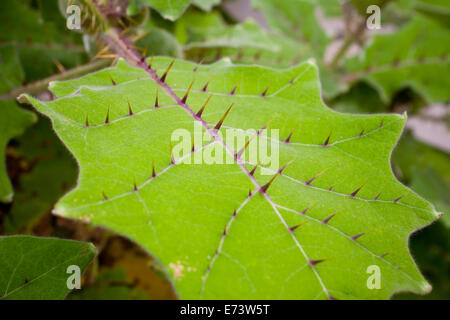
x=36, y=268
x=333, y=212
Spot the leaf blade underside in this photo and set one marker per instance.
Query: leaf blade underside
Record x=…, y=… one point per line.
x=216, y=240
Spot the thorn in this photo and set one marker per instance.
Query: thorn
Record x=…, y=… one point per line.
x=107, y=56
x=130, y=111
x=239, y=153
x=376, y=197
x=358, y=235
x=328, y=219
x=356, y=191
x=156, y=99
x=327, y=140
x=263, y=128
x=381, y=123
x=295, y=227
x=144, y=53
x=254, y=169
x=263, y=94
x=219, y=124
x=193, y=147
x=235, y=87
x=234, y=213
x=224, y=232
x=101, y=52
x=384, y=255
x=59, y=66
x=104, y=196
x=249, y=191
x=312, y=263
x=153, y=169
x=284, y=167
x=330, y=297
x=172, y=159
x=289, y=136
x=199, y=113
x=362, y=132
x=151, y=62
x=264, y=188
x=135, y=185
x=396, y=200
x=107, y=117
x=267, y=185
x=314, y=178
x=112, y=81
x=187, y=92
x=87, y=121
x=330, y=188
x=163, y=78
x=304, y=210
x=198, y=64
x=205, y=86
x=139, y=36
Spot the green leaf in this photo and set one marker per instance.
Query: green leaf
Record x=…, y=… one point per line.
x=209, y=38
x=206, y=4
x=173, y=9
x=412, y=57
x=180, y=212
x=13, y=122
x=296, y=19
x=36, y=268
x=331, y=8
x=38, y=44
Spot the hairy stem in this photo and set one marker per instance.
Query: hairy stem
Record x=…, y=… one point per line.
x=41, y=85
x=349, y=40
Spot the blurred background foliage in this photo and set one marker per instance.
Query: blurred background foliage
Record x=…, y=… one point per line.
x=402, y=67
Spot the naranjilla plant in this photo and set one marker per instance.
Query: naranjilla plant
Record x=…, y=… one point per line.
x=213, y=145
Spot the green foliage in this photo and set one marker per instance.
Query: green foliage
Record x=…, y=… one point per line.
x=340, y=171
x=207, y=38
x=34, y=45
x=297, y=19
x=13, y=122
x=48, y=164
x=411, y=57
x=173, y=9
x=36, y=268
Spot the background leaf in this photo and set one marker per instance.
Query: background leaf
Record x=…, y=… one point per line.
x=13, y=122
x=35, y=268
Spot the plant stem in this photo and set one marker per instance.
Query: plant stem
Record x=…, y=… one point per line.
x=347, y=43
x=41, y=85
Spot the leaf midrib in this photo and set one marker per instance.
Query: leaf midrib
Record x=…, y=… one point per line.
x=140, y=62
